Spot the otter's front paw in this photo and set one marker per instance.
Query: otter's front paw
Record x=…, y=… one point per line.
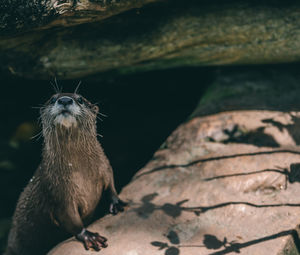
x=116, y=206
x=92, y=240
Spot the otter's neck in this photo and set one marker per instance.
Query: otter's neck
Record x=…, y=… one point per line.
x=70, y=149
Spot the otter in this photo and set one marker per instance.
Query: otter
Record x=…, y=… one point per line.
x=66, y=188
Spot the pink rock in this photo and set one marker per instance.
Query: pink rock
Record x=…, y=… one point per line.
x=221, y=184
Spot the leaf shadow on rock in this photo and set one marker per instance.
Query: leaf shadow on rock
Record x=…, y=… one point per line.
x=211, y=242
x=174, y=247
x=256, y=137
x=148, y=207
x=293, y=128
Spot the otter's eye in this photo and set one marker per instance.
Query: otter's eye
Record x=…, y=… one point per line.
x=53, y=100
x=80, y=100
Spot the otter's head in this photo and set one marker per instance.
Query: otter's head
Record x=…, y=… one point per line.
x=67, y=110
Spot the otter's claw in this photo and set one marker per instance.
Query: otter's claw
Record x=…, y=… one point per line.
x=116, y=206
x=92, y=240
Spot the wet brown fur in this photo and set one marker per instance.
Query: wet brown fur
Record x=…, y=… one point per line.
x=66, y=187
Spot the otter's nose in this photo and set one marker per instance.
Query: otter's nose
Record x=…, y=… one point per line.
x=65, y=101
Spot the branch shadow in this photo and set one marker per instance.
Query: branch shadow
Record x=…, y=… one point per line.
x=236, y=247
x=160, y=168
x=175, y=210
x=292, y=176
x=283, y=171
x=211, y=242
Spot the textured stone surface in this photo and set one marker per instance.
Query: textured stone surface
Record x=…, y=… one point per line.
x=19, y=16
x=225, y=183
x=157, y=36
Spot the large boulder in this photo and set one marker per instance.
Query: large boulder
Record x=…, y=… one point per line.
x=221, y=183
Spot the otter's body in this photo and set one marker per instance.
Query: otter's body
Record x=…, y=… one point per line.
x=67, y=186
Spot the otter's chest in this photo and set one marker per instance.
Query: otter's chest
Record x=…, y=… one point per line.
x=86, y=191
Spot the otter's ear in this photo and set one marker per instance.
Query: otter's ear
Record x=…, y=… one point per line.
x=95, y=109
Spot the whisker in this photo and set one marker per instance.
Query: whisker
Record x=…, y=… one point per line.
x=37, y=136
x=37, y=107
x=59, y=89
x=99, y=118
x=77, y=87
x=54, y=87
x=102, y=114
